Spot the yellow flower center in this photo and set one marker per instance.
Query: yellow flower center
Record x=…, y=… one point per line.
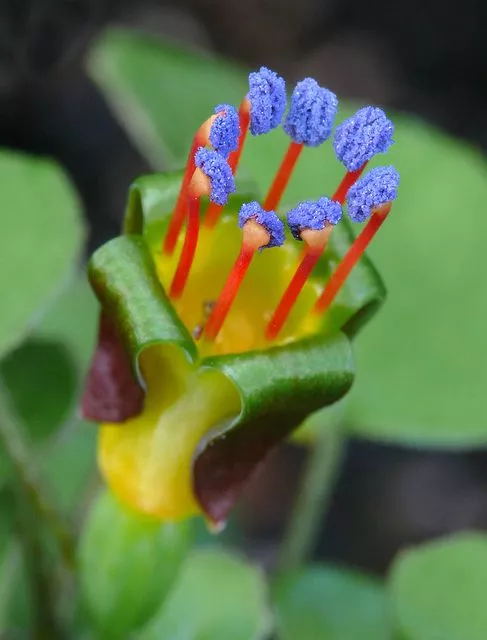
x=257, y=298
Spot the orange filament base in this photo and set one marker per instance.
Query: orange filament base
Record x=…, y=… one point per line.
x=351, y=258
x=349, y=179
x=282, y=177
x=316, y=242
x=214, y=210
x=189, y=248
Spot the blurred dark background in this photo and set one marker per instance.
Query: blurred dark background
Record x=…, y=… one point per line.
x=424, y=56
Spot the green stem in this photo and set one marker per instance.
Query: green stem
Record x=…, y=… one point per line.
x=313, y=501
x=28, y=476
x=41, y=584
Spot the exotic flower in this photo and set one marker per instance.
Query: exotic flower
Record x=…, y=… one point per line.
x=195, y=386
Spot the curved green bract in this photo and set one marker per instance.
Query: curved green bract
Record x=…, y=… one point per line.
x=123, y=277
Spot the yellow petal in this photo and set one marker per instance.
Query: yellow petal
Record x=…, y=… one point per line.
x=147, y=461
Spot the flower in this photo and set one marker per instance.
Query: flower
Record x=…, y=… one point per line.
x=194, y=384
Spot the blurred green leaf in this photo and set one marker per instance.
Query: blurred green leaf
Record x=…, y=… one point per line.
x=330, y=604
x=127, y=565
x=217, y=597
x=44, y=374
x=438, y=589
x=421, y=373
x=73, y=321
x=128, y=67
x=40, y=240
x=42, y=381
x=69, y=464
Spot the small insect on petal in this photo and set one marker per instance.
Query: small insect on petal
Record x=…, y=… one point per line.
x=313, y=214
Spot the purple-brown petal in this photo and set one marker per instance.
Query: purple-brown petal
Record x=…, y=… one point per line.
x=112, y=393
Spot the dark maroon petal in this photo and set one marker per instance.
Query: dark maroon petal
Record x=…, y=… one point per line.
x=112, y=393
x=222, y=469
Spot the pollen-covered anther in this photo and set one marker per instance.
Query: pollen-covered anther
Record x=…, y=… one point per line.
x=224, y=130
x=311, y=113
x=309, y=122
x=218, y=171
x=214, y=210
x=267, y=99
x=311, y=222
x=357, y=140
x=200, y=139
x=371, y=197
x=212, y=177
x=260, y=230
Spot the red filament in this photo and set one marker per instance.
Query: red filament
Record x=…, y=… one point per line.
x=229, y=291
x=189, y=247
x=282, y=176
x=214, y=210
x=349, y=179
x=292, y=292
x=351, y=258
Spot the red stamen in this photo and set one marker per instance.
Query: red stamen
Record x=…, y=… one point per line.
x=244, y=120
x=254, y=237
x=316, y=243
x=349, y=179
x=282, y=176
x=189, y=248
x=214, y=210
x=174, y=229
x=351, y=258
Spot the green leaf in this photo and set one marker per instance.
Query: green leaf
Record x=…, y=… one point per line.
x=127, y=565
x=438, y=589
x=421, y=370
x=40, y=241
x=128, y=67
x=69, y=465
x=217, y=597
x=330, y=604
x=42, y=407
x=57, y=352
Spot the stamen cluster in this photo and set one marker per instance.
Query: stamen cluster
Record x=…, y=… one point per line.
x=309, y=122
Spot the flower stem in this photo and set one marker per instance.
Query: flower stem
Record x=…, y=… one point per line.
x=29, y=481
x=314, y=497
